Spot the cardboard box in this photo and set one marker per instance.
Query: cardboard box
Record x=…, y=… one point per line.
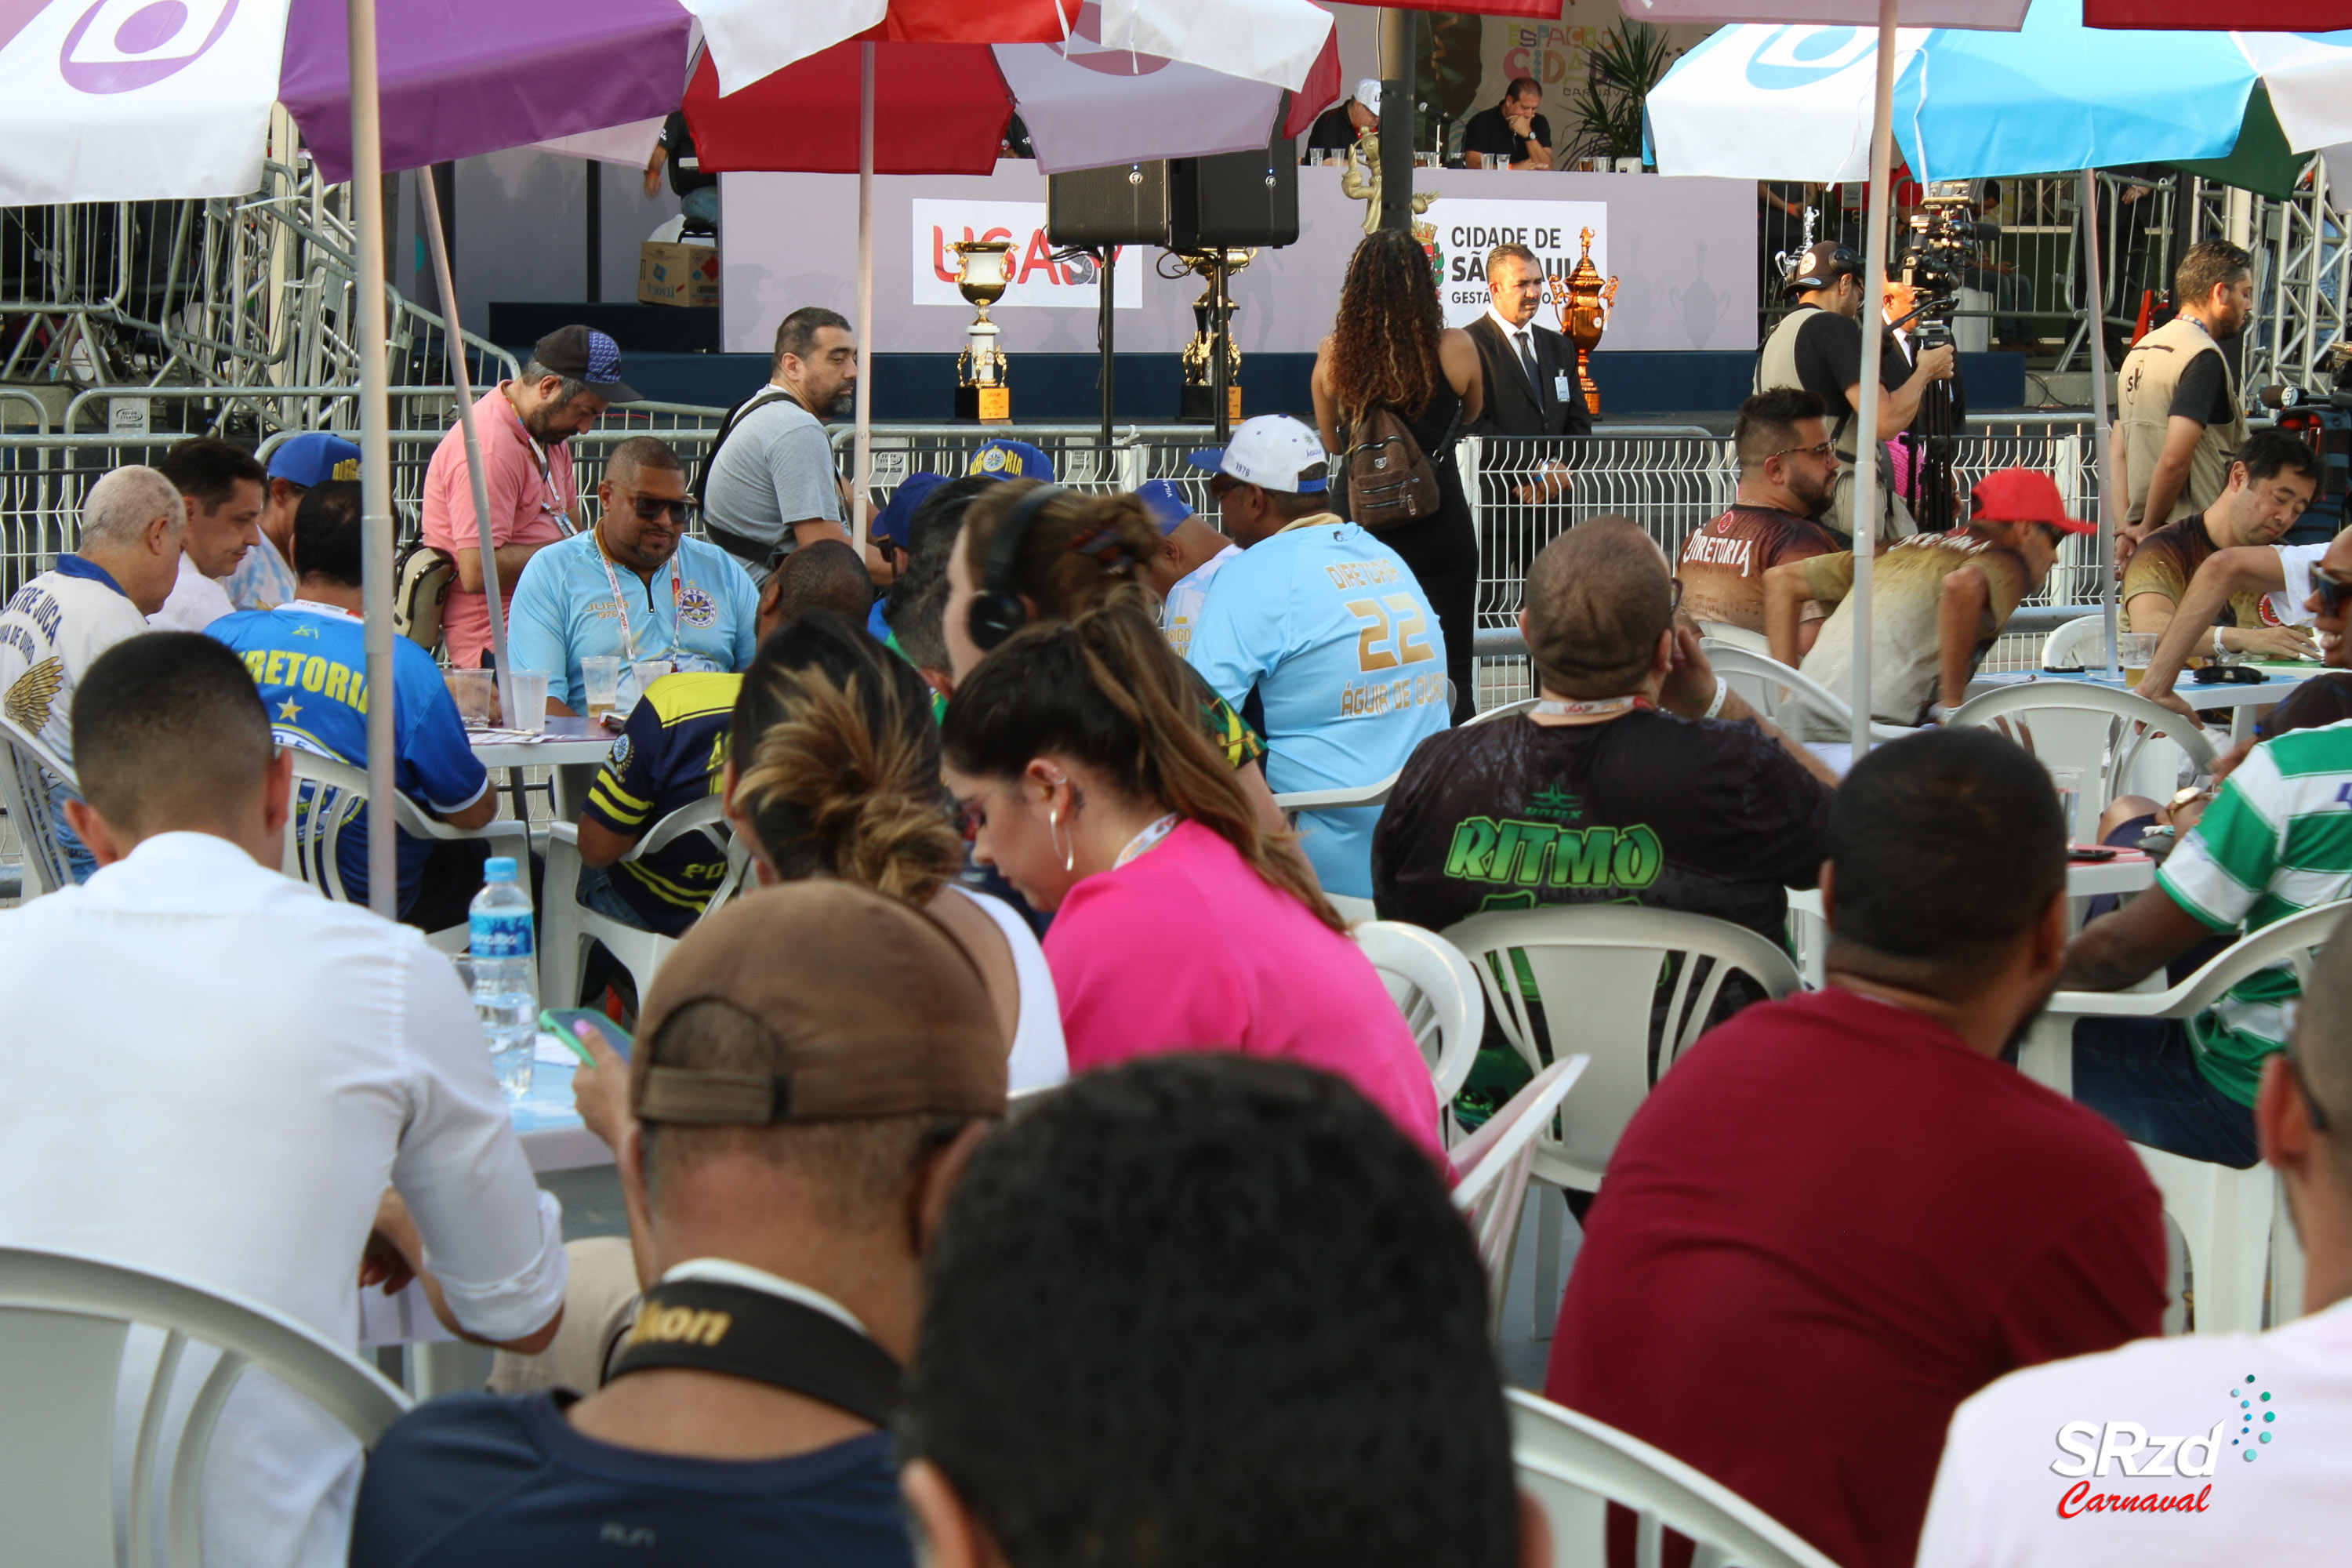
x=677, y=274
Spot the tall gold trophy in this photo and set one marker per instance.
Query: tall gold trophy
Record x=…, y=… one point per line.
x=1583, y=303
x=1198, y=401
x=981, y=391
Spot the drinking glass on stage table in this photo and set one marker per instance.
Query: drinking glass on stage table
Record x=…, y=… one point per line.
x=475, y=692
x=2068, y=782
x=2132, y=651
x=601, y=674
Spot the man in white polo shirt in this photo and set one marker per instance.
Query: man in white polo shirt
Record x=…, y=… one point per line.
x=214, y=1074
x=1319, y=634
x=2204, y=1449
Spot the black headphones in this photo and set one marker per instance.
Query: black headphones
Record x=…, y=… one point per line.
x=996, y=610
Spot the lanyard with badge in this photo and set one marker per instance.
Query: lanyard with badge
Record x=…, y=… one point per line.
x=621, y=603
x=550, y=504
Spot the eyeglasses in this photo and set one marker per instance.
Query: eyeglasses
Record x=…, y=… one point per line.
x=1824, y=449
x=2303, y=1087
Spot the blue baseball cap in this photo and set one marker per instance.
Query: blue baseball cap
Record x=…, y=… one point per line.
x=1272, y=451
x=313, y=458
x=1013, y=460
x=1164, y=499
x=896, y=521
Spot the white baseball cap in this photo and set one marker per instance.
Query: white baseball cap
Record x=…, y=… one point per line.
x=1272, y=451
x=1367, y=93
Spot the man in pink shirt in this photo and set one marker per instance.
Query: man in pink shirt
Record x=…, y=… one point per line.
x=573, y=374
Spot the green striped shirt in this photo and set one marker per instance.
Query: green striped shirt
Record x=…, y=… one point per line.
x=2277, y=841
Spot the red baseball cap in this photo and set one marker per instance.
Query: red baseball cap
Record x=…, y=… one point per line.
x=2022, y=495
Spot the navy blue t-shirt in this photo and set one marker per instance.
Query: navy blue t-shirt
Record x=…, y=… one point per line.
x=481, y=1480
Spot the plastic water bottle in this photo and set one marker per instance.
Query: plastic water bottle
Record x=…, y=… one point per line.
x=506, y=974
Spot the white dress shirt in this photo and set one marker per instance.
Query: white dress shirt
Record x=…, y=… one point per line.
x=196, y=601
x=214, y=1073
x=1511, y=337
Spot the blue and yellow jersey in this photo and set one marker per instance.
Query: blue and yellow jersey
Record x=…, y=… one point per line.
x=668, y=755
x=309, y=661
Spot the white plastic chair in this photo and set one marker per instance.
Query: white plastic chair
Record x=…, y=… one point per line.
x=327, y=797
x=1437, y=991
x=26, y=773
x=1599, y=971
x=2077, y=644
x=1722, y=634
x=2228, y=1220
x=1767, y=685
x=1296, y=801
x=1495, y=1161
x=2097, y=729
x=1574, y=1466
x=1501, y=711
x=64, y=1320
x=568, y=927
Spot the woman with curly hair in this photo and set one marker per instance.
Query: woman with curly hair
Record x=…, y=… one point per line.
x=1390, y=344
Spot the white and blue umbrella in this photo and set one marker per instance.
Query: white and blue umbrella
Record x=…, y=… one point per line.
x=1766, y=103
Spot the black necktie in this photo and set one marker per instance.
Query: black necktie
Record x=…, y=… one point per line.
x=1528, y=358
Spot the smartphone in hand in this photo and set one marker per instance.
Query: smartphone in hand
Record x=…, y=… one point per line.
x=564, y=1023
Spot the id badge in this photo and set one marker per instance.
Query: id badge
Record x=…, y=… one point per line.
x=1561, y=388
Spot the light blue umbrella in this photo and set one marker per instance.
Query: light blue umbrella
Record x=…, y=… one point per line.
x=1766, y=103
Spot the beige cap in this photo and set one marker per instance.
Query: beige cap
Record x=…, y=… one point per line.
x=880, y=1012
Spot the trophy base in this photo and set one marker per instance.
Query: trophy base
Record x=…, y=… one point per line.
x=984, y=404
x=1198, y=404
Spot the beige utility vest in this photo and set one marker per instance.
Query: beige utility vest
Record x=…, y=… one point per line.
x=1776, y=366
x=2151, y=373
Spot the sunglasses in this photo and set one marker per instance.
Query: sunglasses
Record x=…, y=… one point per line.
x=2331, y=590
x=1827, y=449
x=649, y=508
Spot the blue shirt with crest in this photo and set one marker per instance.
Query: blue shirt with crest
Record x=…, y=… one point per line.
x=700, y=611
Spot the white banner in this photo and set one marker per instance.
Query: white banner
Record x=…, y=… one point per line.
x=1037, y=280
x=123, y=101
x=1467, y=230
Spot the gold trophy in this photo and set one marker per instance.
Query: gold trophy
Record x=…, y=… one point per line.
x=1198, y=401
x=1583, y=303
x=983, y=271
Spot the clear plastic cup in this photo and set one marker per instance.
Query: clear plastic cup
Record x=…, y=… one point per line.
x=475, y=692
x=2068, y=782
x=530, y=699
x=2132, y=651
x=601, y=674
x=648, y=670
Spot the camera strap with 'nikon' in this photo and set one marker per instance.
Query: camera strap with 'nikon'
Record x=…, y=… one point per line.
x=745, y=1333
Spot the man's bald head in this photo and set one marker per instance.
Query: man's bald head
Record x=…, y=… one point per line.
x=2322, y=1043
x=1598, y=599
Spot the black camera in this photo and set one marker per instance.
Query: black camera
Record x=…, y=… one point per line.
x=1941, y=249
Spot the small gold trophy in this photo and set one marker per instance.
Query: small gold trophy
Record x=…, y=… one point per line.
x=1198, y=401
x=981, y=392
x=1583, y=303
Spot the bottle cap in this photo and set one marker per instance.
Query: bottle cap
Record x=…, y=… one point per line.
x=498, y=868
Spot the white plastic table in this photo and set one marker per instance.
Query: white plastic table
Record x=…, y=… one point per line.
x=2240, y=698
x=574, y=747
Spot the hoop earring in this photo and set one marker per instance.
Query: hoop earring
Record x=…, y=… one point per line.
x=1070, y=854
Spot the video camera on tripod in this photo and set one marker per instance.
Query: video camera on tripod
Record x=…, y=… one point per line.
x=1939, y=252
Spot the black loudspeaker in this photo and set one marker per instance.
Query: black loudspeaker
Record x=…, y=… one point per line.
x=1235, y=199
x=1126, y=204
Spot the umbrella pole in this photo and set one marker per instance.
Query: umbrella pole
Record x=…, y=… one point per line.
x=2108, y=502
x=483, y=539
x=376, y=456
x=862, y=462
x=1866, y=504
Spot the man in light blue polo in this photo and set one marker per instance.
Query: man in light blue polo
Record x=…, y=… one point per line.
x=634, y=585
x=265, y=579
x=1318, y=634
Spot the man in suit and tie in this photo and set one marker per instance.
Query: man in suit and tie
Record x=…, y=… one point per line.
x=1533, y=398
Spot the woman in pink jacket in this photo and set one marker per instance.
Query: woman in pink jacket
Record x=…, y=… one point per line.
x=1077, y=754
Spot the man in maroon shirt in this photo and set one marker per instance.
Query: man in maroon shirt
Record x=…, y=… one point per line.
x=1788, y=467
x=1841, y=1215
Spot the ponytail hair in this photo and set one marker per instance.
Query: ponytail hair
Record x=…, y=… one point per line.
x=837, y=761
x=1105, y=689
x=1075, y=552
